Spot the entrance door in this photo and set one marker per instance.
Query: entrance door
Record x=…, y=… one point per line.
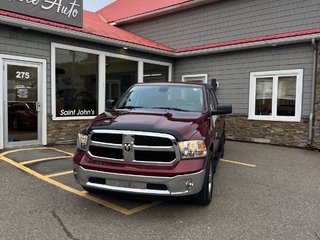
x=22, y=106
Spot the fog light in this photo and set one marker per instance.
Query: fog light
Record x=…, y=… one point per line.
x=189, y=185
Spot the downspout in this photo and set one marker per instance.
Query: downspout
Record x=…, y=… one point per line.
x=313, y=97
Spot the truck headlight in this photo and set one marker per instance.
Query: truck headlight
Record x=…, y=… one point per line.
x=192, y=149
x=82, y=141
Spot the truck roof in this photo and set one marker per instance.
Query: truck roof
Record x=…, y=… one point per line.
x=173, y=84
x=177, y=84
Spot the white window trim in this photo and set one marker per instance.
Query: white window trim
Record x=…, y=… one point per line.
x=205, y=76
x=43, y=97
x=275, y=75
x=101, y=84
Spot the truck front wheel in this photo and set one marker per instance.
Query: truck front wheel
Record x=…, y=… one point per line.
x=205, y=195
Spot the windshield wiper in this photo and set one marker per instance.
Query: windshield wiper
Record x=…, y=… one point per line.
x=171, y=108
x=131, y=107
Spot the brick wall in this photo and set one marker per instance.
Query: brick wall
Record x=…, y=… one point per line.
x=280, y=133
x=237, y=127
x=64, y=132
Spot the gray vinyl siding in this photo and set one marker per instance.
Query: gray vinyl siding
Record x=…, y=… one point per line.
x=227, y=20
x=27, y=43
x=232, y=71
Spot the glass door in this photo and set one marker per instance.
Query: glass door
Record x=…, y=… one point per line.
x=22, y=106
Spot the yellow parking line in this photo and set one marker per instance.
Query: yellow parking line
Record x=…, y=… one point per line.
x=126, y=211
x=142, y=207
x=83, y=194
x=59, y=174
x=32, y=149
x=44, y=159
x=239, y=163
x=58, y=150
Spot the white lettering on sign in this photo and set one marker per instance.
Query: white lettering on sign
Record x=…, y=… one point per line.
x=22, y=75
x=33, y=2
x=71, y=11
x=67, y=10
x=74, y=112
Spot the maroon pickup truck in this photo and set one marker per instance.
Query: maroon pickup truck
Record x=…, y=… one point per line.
x=161, y=139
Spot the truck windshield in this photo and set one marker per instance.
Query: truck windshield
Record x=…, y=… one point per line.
x=178, y=98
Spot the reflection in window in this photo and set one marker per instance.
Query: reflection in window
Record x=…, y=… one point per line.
x=121, y=74
x=286, y=96
x=76, y=83
x=187, y=98
x=276, y=95
x=155, y=73
x=264, y=96
x=22, y=95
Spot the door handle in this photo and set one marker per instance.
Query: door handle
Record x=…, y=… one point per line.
x=38, y=106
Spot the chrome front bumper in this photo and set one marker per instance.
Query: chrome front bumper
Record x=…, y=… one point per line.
x=181, y=185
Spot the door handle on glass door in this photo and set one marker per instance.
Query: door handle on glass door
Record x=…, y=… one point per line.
x=38, y=106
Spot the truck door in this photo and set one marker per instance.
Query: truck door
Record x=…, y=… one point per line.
x=216, y=121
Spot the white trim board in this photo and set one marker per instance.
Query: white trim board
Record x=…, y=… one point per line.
x=204, y=77
x=119, y=43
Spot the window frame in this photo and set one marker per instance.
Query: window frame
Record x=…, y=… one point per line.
x=205, y=76
x=298, y=73
x=101, y=75
x=212, y=100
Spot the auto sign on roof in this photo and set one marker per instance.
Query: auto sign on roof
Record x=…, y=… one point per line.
x=68, y=12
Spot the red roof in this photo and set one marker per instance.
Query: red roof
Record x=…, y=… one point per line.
x=94, y=25
x=122, y=9
x=251, y=40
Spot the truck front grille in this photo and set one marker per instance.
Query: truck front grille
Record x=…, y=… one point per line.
x=151, y=156
x=107, y=137
x=134, y=147
x=152, y=141
x=106, y=152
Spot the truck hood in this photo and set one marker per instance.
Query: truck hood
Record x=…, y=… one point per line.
x=182, y=125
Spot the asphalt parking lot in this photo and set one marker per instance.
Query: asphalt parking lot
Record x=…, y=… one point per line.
x=260, y=192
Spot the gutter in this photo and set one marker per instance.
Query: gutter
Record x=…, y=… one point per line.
x=178, y=53
x=313, y=97
x=248, y=45
x=80, y=35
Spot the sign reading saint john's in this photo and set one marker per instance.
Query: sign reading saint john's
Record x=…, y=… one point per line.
x=68, y=12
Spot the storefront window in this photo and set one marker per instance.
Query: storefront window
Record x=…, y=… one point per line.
x=121, y=74
x=155, y=73
x=76, y=83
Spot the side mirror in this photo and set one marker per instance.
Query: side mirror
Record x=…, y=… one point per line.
x=222, y=110
x=110, y=104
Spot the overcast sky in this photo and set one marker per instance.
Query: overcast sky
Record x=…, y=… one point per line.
x=94, y=5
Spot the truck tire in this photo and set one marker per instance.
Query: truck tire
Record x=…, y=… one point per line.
x=205, y=195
